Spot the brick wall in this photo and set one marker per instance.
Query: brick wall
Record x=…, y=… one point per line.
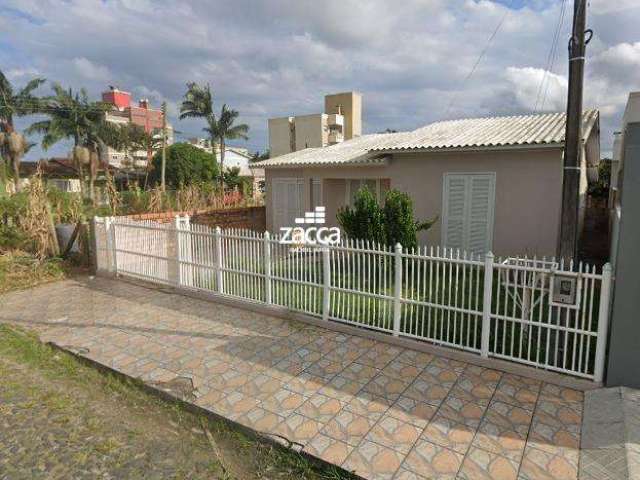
x=253, y=218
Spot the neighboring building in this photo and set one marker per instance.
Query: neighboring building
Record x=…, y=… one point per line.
x=234, y=157
x=143, y=115
x=341, y=120
x=494, y=183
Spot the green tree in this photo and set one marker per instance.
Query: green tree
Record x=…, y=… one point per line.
x=198, y=103
x=223, y=129
x=365, y=220
x=186, y=164
x=15, y=103
x=73, y=116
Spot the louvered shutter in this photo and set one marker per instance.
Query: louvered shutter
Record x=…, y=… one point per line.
x=287, y=201
x=455, y=188
x=480, y=213
x=468, y=203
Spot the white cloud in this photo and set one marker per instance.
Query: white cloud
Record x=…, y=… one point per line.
x=91, y=71
x=279, y=57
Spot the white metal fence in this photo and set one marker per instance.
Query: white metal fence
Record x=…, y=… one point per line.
x=493, y=307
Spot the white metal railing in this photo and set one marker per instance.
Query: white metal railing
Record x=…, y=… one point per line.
x=490, y=306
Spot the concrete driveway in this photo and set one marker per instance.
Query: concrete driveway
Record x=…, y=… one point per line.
x=382, y=411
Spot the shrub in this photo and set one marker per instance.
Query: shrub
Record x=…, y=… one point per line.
x=186, y=165
x=365, y=220
x=391, y=224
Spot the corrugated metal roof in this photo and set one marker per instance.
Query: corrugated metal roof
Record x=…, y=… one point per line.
x=541, y=129
x=351, y=152
x=471, y=133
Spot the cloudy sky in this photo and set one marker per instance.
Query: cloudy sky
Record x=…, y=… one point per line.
x=411, y=59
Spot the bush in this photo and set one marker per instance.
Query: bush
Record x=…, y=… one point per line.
x=186, y=165
x=365, y=220
x=391, y=224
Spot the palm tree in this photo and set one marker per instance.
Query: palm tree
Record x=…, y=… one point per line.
x=73, y=116
x=13, y=145
x=198, y=103
x=224, y=129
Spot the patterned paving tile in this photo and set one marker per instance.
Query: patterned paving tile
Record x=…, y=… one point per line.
x=348, y=427
x=329, y=449
x=414, y=357
x=562, y=464
x=555, y=393
x=305, y=384
x=368, y=405
x=384, y=411
x=386, y=386
x=428, y=388
x=450, y=434
x=433, y=461
x=299, y=429
x=504, y=430
x=516, y=390
x=341, y=388
x=555, y=426
x=404, y=474
x=482, y=465
x=234, y=405
x=412, y=411
x=371, y=460
x=260, y=419
x=393, y=433
x=402, y=371
x=460, y=407
x=320, y=408
x=360, y=372
x=325, y=369
x=283, y=402
x=261, y=386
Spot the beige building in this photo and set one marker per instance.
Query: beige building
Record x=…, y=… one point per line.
x=494, y=183
x=341, y=120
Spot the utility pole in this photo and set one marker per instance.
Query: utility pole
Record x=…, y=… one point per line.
x=164, y=145
x=573, y=136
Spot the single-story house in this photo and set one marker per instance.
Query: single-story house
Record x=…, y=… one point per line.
x=495, y=183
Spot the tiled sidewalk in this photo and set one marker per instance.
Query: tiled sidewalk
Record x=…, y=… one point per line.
x=376, y=409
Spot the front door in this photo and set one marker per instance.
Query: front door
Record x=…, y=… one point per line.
x=468, y=211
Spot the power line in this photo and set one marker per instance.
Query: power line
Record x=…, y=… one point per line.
x=481, y=56
x=551, y=58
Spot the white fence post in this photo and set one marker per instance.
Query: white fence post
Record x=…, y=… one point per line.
x=486, y=304
x=603, y=322
x=173, y=253
x=218, y=238
x=112, y=255
x=397, y=289
x=267, y=268
x=326, y=281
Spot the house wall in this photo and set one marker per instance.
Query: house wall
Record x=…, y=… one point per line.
x=528, y=192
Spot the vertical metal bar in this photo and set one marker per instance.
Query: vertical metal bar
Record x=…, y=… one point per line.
x=603, y=322
x=397, y=289
x=486, y=305
x=267, y=268
x=218, y=248
x=326, y=291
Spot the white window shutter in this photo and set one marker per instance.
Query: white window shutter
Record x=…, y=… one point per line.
x=480, y=213
x=468, y=209
x=455, y=187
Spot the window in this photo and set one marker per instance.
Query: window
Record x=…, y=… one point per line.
x=468, y=211
x=376, y=185
x=316, y=193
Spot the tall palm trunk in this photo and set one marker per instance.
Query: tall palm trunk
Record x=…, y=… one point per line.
x=222, y=149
